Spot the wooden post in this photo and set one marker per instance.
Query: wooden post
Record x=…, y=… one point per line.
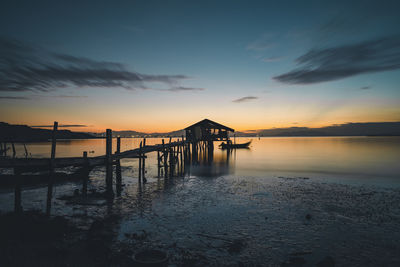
x=13, y=148
x=165, y=157
x=118, y=175
x=181, y=155
x=51, y=171
x=176, y=159
x=228, y=151
x=140, y=162
x=118, y=145
x=158, y=163
x=210, y=151
x=17, y=192
x=189, y=153
x=171, y=162
x=144, y=163
x=85, y=173
x=26, y=151
x=109, y=175
x=194, y=152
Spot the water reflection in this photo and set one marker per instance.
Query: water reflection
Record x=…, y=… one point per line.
x=365, y=158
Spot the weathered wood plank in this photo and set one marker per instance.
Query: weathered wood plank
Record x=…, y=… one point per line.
x=79, y=161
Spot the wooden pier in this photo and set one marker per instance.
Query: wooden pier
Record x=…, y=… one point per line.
x=172, y=159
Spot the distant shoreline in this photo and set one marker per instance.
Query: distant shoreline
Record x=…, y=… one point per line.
x=24, y=133
x=152, y=137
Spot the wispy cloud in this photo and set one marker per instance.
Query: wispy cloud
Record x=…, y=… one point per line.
x=14, y=97
x=261, y=44
x=322, y=65
x=60, y=126
x=245, y=99
x=64, y=96
x=272, y=59
x=26, y=68
x=183, y=89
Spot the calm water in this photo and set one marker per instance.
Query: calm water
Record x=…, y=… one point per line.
x=365, y=160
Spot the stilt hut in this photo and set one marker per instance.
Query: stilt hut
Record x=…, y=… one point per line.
x=202, y=135
x=207, y=130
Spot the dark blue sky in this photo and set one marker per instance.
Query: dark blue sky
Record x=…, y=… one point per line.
x=252, y=64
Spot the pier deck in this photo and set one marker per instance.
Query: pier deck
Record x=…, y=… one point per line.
x=80, y=161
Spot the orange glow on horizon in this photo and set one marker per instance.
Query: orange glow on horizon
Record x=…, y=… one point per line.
x=237, y=127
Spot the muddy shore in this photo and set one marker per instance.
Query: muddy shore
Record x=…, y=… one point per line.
x=224, y=221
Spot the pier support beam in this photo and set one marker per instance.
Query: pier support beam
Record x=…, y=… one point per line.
x=51, y=171
x=85, y=174
x=140, y=162
x=165, y=158
x=171, y=161
x=109, y=175
x=210, y=151
x=17, y=192
x=158, y=164
x=144, y=163
x=118, y=178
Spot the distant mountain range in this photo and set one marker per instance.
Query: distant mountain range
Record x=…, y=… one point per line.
x=129, y=133
x=348, y=129
x=23, y=133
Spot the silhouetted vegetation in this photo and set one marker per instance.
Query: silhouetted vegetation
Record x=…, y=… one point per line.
x=24, y=133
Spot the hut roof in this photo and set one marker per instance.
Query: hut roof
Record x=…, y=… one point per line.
x=206, y=123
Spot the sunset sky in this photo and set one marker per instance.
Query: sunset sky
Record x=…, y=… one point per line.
x=157, y=66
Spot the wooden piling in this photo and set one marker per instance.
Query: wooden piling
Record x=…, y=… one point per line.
x=26, y=151
x=140, y=162
x=85, y=174
x=13, y=148
x=17, y=192
x=171, y=162
x=176, y=158
x=158, y=164
x=165, y=158
x=118, y=174
x=144, y=163
x=109, y=175
x=189, y=154
x=181, y=155
x=51, y=170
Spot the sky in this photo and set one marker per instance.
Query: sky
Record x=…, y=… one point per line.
x=157, y=66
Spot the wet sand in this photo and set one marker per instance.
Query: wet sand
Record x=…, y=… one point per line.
x=267, y=221
x=237, y=221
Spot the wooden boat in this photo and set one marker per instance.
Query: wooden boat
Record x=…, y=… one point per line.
x=231, y=145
